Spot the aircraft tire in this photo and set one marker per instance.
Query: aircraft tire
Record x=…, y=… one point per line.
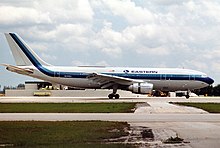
x=110, y=96
x=117, y=96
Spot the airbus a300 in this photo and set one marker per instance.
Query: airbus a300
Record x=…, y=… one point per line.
x=136, y=80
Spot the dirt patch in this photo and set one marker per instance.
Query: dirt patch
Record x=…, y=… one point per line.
x=141, y=136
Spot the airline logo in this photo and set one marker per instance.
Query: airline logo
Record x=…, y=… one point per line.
x=139, y=71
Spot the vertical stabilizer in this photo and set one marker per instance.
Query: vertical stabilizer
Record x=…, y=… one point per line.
x=20, y=49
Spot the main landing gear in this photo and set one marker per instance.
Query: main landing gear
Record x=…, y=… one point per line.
x=113, y=94
x=187, y=94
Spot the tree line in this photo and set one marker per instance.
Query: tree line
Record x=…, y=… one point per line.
x=208, y=91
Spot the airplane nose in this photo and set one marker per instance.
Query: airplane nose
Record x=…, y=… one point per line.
x=209, y=81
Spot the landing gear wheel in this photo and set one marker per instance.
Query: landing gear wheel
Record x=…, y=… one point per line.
x=117, y=96
x=110, y=96
x=188, y=94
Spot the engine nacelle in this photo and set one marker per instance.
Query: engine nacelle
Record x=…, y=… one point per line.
x=141, y=88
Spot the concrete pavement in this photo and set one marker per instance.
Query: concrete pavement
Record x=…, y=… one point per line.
x=196, y=126
x=129, y=117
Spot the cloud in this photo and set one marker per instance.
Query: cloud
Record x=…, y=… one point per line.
x=81, y=63
x=152, y=33
x=48, y=57
x=46, y=12
x=153, y=51
x=211, y=10
x=22, y=16
x=102, y=63
x=66, y=11
x=196, y=64
x=38, y=47
x=112, y=52
x=130, y=11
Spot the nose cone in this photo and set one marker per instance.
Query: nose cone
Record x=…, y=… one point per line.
x=209, y=80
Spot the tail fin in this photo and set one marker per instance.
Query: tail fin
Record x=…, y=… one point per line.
x=23, y=54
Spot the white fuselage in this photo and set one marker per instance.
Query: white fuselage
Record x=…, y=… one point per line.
x=165, y=79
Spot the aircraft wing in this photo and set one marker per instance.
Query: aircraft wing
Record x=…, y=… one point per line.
x=19, y=70
x=109, y=80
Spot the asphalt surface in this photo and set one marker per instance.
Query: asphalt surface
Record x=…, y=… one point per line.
x=129, y=117
x=199, y=128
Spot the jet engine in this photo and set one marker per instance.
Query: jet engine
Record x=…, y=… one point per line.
x=141, y=88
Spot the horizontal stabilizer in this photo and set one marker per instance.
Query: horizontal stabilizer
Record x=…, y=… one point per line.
x=25, y=71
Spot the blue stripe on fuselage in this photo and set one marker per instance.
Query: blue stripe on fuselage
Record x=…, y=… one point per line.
x=51, y=73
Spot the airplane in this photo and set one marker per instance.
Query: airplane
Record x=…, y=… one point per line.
x=137, y=80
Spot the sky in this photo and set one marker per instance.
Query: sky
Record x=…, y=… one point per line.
x=125, y=33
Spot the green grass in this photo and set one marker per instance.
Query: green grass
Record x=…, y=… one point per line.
x=62, y=134
x=209, y=107
x=67, y=107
